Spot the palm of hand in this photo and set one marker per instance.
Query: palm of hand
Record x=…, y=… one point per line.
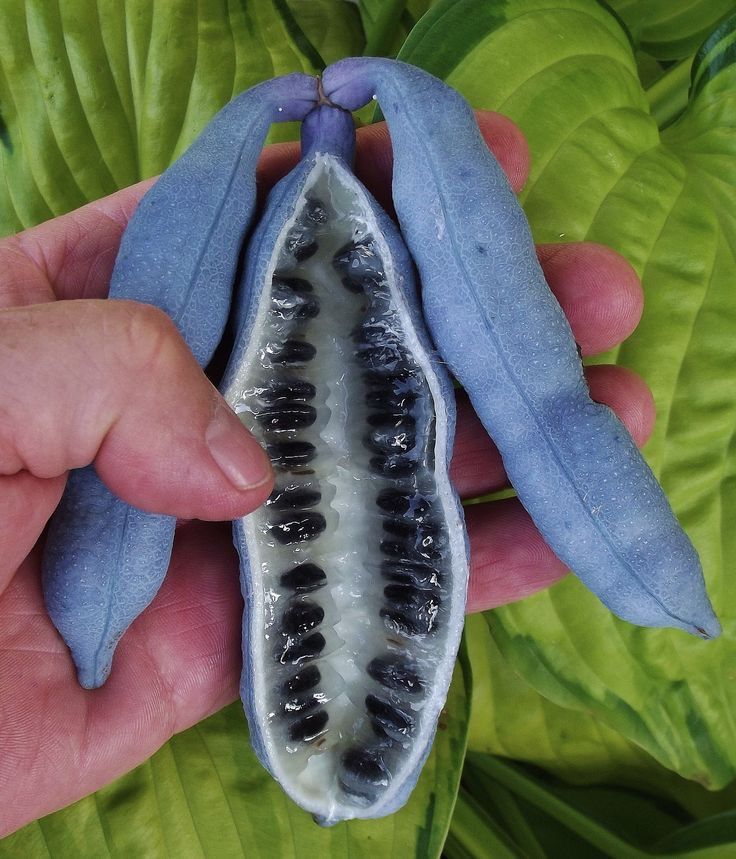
x=180, y=660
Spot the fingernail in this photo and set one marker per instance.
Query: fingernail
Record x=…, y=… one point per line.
x=241, y=459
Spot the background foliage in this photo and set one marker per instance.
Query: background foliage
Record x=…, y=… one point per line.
x=623, y=740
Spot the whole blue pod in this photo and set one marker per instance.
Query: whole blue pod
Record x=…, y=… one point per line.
x=105, y=560
x=504, y=336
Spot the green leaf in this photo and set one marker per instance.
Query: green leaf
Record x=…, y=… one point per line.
x=671, y=29
x=204, y=794
x=97, y=95
x=601, y=171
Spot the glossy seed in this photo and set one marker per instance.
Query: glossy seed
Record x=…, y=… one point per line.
x=290, y=454
x=407, y=623
x=290, y=303
x=298, y=284
x=394, y=466
x=289, y=389
x=385, y=358
x=302, y=617
x=308, y=727
x=287, y=416
x=387, y=397
x=293, y=497
x=404, y=375
x=387, y=418
x=363, y=774
x=303, y=578
x=405, y=572
x=395, y=672
x=302, y=244
x=419, y=551
x=303, y=650
x=302, y=681
x=359, y=265
x=298, y=527
x=291, y=352
x=390, y=438
x=402, y=503
x=300, y=704
x=389, y=719
x=316, y=211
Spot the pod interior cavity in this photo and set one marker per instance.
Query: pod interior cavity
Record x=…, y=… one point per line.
x=355, y=569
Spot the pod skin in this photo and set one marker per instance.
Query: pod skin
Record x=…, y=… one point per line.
x=574, y=466
x=104, y=560
x=327, y=143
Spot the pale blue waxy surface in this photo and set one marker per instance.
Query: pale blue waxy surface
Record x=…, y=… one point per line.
x=105, y=560
x=504, y=336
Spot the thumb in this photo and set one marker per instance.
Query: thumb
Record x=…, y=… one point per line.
x=112, y=382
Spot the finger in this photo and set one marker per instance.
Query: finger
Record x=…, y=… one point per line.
x=177, y=664
x=477, y=469
x=113, y=382
x=509, y=559
x=25, y=506
x=598, y=290
x=374, y=160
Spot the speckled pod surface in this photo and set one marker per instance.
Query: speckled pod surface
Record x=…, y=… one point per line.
x=354, y=572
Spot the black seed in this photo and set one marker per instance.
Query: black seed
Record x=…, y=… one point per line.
x=302, y=244
x=289, y=454
x=390, y=418
x=412, y=611
x=387, y=397
x=291, y=389
x=388, y=719
x=422, y=550
x=293, y=497
x=395, y=672
x=408, y=573
x=290, y=303
x=304, y=680
x=386, y=358
x=390, y=438
x=298, y=284
x=423, y=536
x=301, y=617
x=398, y=376
x=306, y=649
x=303, y=578
x=375, y=334
x=407, y=623
x=291, y=352
x=300, y=704
x=402, y=503
x=316, y=211
x=287, y=416
x=359, y=265
x=298, y=527
x=394, y=466
x=363, y=774
x=308, y=727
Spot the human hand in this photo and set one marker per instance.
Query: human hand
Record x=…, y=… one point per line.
x=91, y=380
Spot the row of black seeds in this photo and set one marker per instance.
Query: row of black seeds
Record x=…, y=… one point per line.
x=286, y=410
x=393, y=387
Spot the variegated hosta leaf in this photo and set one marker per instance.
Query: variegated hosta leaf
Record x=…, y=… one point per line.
x=601, y=171
x=97, y=94
x=204, y=794
x=671, y=29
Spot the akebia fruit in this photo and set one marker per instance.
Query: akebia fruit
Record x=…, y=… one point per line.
x=354, y=572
